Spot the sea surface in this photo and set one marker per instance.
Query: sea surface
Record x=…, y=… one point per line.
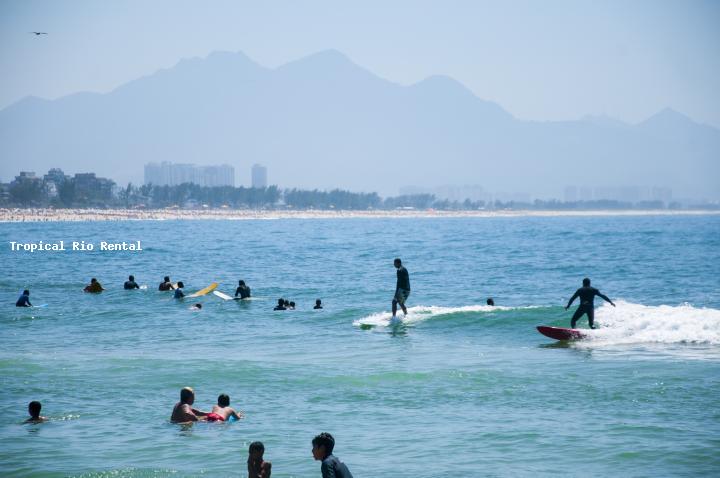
x=459, y=389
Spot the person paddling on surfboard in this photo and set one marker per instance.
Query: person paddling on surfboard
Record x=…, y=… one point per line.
x=24, y=299
x=402, y=288
x=587, y=295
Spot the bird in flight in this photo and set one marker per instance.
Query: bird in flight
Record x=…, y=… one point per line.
x=39, y=33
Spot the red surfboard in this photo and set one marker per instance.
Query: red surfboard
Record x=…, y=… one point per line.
x=560, y=333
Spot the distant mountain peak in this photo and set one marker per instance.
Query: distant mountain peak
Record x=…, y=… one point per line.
x=668, y=116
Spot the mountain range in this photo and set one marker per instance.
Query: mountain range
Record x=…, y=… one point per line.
x=325, y=122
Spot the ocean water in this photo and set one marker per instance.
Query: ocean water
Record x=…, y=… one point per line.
x=459, y=389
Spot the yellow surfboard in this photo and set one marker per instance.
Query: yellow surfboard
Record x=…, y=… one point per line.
x=206, y=290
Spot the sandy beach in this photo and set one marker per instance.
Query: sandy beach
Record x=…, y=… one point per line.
x=54, y=215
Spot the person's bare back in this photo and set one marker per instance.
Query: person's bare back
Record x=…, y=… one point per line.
x=226, y=412
x=183, y=411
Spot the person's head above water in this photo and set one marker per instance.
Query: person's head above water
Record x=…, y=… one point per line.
x=241, y=282
x=132, y=278
x=34, y=408
x=166, y=279
x=397, y=262
x=26, y=292
x=586, y=282
x=224, y=400
x=93, y=280
x=197, y=306
x=323, y=445
x=180, y=285
x=256, y=450
x=490, y=301
x=281, y=301
x=318, y=302
x=286, y=303
x=187, y=395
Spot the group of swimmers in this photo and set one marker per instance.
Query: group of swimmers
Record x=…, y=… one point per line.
x=183, y=412
x=322, y=445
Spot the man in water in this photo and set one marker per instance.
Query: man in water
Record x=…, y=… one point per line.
x=587, y=295
x=165, y=284
x=183, y=411
x=402, y=288
x=331, y=467
x=130, y=284
x=222, y=411
x=34, y=408
x=280, y=305
x=243, y=291
x=94, y=286
x=318, y=304
x=24, y=299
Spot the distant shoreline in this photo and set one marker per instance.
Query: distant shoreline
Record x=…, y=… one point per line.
x=79, y=215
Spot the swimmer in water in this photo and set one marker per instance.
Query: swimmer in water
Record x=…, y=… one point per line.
x=34, y=408
x=197, y=306
x=318, y=304
x=490, y=301
x=94, y=287
x=257, y=466
x=183, y=411
x=223, y=411
x=165, y=285
x=179, y=294
x=280, y=305
x=332, y=467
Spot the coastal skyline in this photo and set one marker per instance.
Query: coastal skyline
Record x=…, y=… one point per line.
x=520, y=99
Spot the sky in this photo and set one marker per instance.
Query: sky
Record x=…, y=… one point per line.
x=539, y=60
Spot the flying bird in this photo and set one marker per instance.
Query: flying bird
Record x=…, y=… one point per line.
x=39, y=33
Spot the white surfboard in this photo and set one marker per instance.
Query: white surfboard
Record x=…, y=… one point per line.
x=222, y=295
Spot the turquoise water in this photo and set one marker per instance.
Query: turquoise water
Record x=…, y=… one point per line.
x=461, y=389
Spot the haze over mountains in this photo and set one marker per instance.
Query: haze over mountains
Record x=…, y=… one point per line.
x=324, y=122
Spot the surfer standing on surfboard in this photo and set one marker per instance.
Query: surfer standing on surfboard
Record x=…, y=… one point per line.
x=402, y=288
x=587, y=295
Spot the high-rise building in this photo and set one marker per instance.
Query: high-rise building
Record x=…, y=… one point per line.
x=170, y=174
x=259, y=176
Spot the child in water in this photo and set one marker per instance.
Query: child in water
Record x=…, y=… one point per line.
x=257, y=467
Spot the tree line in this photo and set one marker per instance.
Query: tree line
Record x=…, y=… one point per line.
x=189, y=195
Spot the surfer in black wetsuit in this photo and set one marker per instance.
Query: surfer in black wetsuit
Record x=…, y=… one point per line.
x=24, y=299
x=402, y=287
x=587, y=295
x=130, y=284
x=243, y=290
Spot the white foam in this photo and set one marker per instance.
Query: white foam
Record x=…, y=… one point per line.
x=630, y=323
x=421, y=313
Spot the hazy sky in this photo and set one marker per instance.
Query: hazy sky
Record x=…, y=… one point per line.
x=543, y=60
